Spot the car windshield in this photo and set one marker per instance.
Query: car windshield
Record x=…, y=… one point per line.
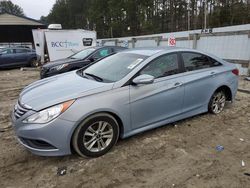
x=82, y=54
x=115, y=67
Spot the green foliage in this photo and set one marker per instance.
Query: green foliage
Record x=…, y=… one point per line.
x=116, y=18
x=8, y=6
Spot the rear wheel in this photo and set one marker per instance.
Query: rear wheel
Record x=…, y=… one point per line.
x=96, y=135
x=34, y=62
x=217, y=102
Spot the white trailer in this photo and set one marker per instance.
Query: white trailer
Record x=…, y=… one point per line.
x=58, y=44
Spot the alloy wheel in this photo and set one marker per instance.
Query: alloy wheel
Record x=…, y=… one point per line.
x=218, y=102
x=98, y=136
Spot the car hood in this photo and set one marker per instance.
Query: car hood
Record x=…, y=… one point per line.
x=60, y=62
x=54, y=90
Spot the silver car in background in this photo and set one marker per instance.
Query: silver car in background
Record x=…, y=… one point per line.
x=130, y=92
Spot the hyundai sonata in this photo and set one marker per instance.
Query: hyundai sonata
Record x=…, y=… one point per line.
x=135, y=90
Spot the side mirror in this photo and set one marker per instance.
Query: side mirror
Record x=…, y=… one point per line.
x=91, y=59
x=143, y=79
x=87, y=61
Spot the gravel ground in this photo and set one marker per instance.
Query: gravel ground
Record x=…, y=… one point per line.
x=244, y=84
x=178, y=155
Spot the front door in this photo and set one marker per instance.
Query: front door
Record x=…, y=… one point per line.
x=6, y=58
x=163, y=99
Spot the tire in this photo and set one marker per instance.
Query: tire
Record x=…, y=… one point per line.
x=217, y=102
x=96, y=135
x=34, y=63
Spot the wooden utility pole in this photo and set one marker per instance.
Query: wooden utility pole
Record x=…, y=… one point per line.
x=205, y=14
x=188, y=9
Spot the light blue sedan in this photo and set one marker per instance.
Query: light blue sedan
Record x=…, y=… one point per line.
x=87, y=110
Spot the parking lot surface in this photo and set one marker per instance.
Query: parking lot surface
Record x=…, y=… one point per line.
x=182, y=154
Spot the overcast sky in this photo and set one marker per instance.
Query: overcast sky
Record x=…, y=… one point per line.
x=35, y=8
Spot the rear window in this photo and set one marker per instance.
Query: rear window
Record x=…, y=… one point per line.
x=196, y=61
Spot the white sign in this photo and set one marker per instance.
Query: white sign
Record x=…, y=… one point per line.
x=171, y=41
x=64, y=43
x=125, y=43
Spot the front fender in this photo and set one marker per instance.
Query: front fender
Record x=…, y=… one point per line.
x=115, y=101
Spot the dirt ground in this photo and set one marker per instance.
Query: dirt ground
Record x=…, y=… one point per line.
x=179, y=155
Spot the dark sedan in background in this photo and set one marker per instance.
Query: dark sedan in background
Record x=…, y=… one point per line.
x=78, y=60
x=17, y=57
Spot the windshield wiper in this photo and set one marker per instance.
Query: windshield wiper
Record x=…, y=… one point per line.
x=81, y=73
x=95, y=77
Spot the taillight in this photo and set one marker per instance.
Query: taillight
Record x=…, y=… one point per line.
x=236, y=72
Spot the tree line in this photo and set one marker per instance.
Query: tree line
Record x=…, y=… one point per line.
x=8, y=6
x=117, y=18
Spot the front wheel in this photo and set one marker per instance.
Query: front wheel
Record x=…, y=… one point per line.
x=217, y=102
x=96, y=135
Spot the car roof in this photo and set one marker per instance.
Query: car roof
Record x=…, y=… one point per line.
x=149, y=51
x=99, y=47
x=16, y=48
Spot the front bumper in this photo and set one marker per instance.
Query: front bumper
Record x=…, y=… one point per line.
x=51, y=139
x=46, y=73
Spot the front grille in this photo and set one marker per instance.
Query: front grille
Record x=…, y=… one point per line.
x=20, y=110
x=36, y=144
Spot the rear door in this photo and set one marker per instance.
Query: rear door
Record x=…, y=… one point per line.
x=163, y=99
x=199, y=78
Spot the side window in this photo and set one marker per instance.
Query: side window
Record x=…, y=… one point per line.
x=165, y=65
x=195, y=61
x=117, y=49
x=21, y=50
x=7, y=51
x=102, y=53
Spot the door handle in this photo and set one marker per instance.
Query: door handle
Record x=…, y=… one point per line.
x=177, y=84
x=212, y=73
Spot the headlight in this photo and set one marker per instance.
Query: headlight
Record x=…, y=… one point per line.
x=48, y=114
x=59, y=67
